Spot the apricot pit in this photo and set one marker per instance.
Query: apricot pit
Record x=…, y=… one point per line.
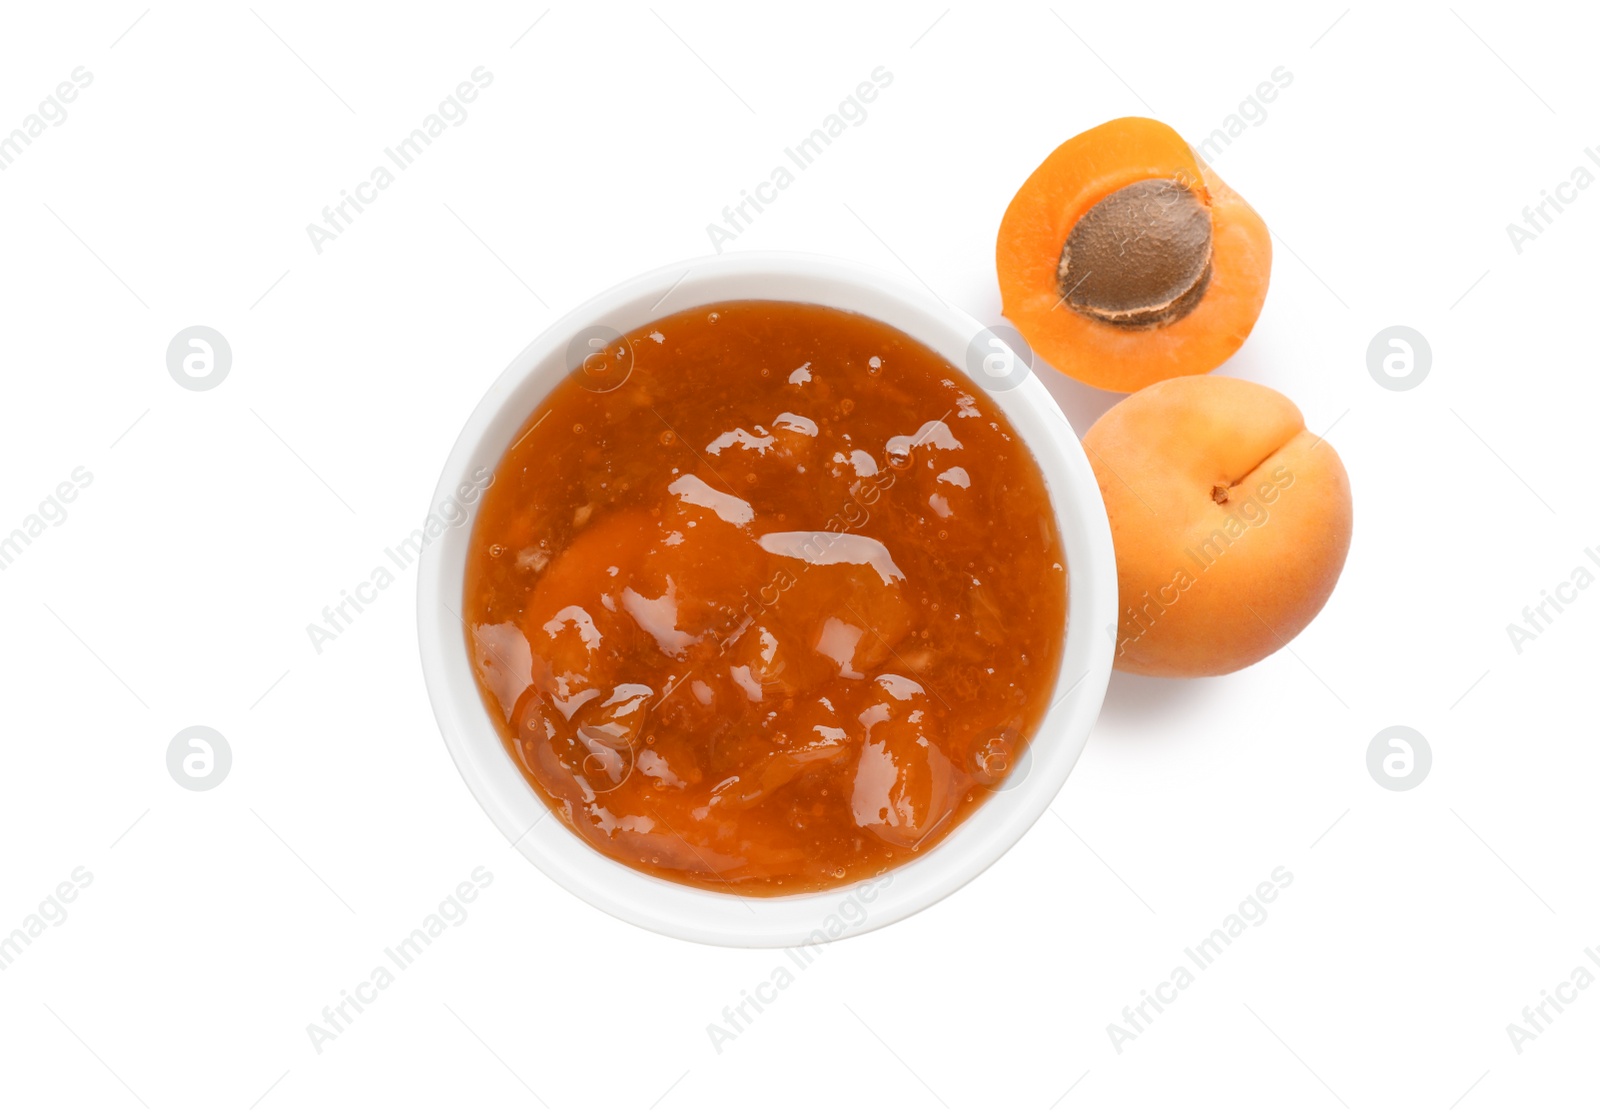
x=1141, y=256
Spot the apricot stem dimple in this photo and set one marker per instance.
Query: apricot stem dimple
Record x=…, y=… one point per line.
x=1219, y=494
x=1141, y=256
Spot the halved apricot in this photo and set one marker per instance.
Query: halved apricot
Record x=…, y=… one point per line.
x=1125, y=260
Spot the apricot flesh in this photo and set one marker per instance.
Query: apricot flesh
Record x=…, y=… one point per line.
x=1231, y=523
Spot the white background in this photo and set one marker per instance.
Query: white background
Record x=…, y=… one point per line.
x=220, y=523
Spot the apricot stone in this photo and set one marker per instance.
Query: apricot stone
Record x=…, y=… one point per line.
x=1231, y=523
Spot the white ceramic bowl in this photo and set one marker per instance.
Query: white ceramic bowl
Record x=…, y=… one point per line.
x=704, y=915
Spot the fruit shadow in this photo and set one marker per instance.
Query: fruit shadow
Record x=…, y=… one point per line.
x=1145, y=700
x=1081, y=403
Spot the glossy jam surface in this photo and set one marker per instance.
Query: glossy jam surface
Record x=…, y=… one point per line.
x=776, y=611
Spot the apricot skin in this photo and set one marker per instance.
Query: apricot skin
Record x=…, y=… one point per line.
x=1231, y=523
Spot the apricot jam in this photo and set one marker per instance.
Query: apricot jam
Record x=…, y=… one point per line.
x=765, y=598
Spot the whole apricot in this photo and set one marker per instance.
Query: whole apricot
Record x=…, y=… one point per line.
x=1230, y=520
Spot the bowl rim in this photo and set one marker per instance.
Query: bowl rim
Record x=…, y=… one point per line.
x=707, y=916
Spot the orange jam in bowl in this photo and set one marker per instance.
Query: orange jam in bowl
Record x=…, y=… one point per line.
x=765, y=598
